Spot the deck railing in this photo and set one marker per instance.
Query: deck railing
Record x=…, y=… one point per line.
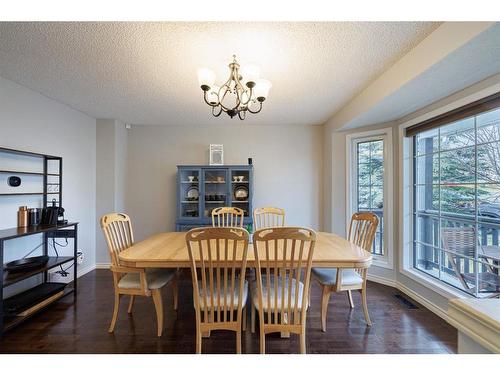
x=434, y=254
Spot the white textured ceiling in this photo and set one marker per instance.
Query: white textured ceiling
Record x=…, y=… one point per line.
x=471, y=63
x=145, y=73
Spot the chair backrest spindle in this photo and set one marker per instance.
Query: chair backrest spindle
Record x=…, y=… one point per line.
x=118, y=232
x=227, y=217
x=268, y=217
x=362, y=229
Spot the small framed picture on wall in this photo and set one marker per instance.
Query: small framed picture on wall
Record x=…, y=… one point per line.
x=216, y=155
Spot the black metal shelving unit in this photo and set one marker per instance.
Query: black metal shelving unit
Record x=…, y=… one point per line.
x=67, y=230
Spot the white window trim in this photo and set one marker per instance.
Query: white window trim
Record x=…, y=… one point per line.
x=386, y=260
x=406, y=198
x=406, y=232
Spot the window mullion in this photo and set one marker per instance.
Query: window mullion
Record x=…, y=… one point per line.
x=441, y=253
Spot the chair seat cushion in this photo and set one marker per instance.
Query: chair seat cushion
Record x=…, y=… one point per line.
x=227, y=295
x=288, y=282
x=328, y=276
x=155, y=277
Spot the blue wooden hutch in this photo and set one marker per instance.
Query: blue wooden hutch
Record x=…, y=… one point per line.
x=200, y=189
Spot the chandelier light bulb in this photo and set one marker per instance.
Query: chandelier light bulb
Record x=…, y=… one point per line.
x=261, y=90
x=250, y=73
x=206, y=78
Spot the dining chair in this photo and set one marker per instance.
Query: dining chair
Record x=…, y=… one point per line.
x=362, y=231
x=227, y=217
x=218, y=259
x=267, y=217
x=280, y=294
x=117, y=229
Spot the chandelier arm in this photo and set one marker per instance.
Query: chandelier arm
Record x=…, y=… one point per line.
x=206, y=101
x=226, y=85
x=240, y=89
x=257, y=111
x=228, y=89
x=242, y=114
x=249, y=98
x=214, y=113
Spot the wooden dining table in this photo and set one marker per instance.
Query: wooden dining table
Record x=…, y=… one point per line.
x=169, y=250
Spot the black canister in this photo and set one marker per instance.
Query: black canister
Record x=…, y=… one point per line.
x=34, y=215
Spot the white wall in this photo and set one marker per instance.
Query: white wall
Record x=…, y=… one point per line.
x=111, y=172
x=287, y=169
x=32, y=122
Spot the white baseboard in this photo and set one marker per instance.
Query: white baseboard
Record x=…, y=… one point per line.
x=83, y=271
x=102, y=266
x=443, y=314
x=382, y=280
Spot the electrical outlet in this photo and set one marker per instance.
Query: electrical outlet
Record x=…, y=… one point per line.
x=79, y=257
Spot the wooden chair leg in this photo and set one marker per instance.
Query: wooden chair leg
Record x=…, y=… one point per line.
x=131, y=304
x=262, y=339
x=159, y=309
x=303, y=341
x=349, y=296
x=365, y=306
x=115, y=313
x=325, y=297
x=252, y=319
x=175, y=292
x=238, y=342
x=198, y=340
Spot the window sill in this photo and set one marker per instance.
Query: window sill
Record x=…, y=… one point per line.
x=436, y=286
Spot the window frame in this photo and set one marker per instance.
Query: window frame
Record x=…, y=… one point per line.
x=471, y=220
x=406, y=199
x=352, y=140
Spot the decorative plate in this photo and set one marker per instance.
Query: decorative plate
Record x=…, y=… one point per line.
x=192, y=194
x=241, y=193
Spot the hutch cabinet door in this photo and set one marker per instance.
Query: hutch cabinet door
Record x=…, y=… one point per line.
x=241, y=189
x=216, y=190
x=189, y=193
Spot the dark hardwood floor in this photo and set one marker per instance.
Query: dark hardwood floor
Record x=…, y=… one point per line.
x=82, y=327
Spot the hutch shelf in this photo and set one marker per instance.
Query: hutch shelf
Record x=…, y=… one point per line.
x=200, y=189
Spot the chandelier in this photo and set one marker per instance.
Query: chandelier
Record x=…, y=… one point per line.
x=243, y=92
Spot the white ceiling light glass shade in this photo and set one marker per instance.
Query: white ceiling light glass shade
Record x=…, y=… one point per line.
x=206, y=77
x=261, y=90
x=242, y=93
x=250, y=73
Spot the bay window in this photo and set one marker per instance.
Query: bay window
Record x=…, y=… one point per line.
x=456, y=202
